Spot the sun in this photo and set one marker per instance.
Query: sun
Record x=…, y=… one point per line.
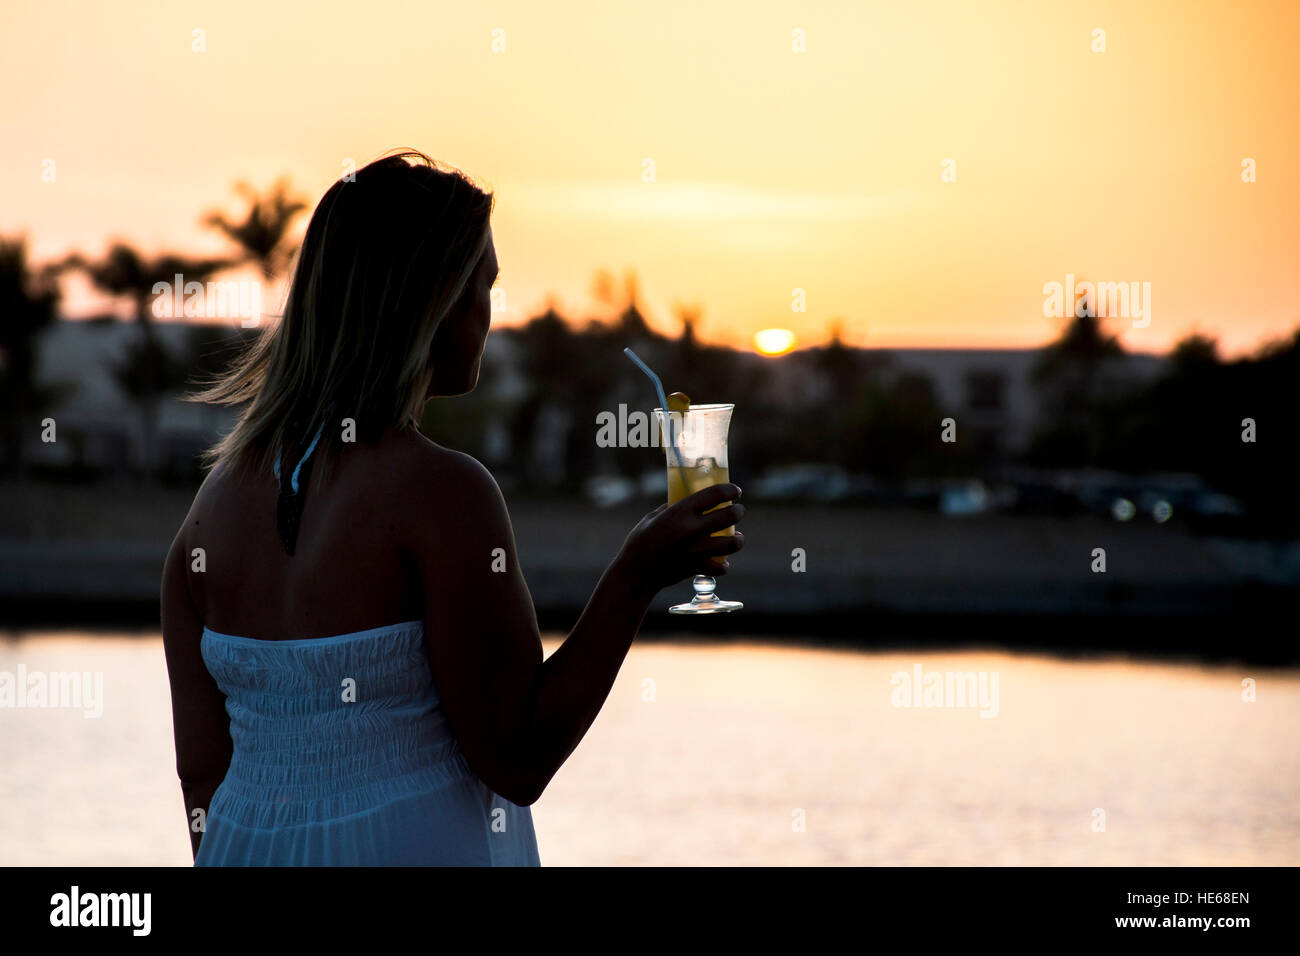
x=773, y=341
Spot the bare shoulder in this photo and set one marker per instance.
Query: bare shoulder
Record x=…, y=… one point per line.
x=178, y=585
x=415, y=466
x=429, y=484
x=205, y=499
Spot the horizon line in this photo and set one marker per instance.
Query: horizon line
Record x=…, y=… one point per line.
x=580, y=326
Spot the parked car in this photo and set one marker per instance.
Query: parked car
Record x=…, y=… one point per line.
x=804, y=482
x=607, y=491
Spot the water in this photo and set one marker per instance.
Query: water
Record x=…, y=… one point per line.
x=709, y=754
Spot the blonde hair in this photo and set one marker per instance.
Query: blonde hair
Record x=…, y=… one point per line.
x=387, y=256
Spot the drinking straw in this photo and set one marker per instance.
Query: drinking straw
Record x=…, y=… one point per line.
x=663, y=403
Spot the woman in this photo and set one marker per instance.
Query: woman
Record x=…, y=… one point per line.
x=356, y=679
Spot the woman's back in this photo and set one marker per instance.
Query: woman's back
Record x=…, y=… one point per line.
x=342, y=753
x=348, y=571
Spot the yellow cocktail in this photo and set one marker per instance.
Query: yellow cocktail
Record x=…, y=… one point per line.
x=695, y=449
x=690, y=478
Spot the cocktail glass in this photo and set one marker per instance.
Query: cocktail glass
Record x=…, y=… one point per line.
x=695, y=446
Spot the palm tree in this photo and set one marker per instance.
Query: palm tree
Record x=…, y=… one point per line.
x=125, y=273
x=1070, y=378
x=27, y=305
x=149, y=370
x=262, y=234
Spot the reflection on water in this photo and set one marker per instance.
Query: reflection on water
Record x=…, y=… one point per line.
x=709, y=754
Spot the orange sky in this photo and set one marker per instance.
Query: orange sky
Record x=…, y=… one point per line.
x=775, y=170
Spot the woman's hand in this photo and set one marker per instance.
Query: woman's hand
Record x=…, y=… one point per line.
x=676, y=541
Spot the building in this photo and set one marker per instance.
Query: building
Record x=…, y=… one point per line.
x=989, y=392
x=98, y=428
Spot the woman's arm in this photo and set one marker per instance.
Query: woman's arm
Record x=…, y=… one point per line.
x=199, y=720
x=517, y=718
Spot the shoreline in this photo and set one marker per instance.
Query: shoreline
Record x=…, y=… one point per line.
x=812, y=574
x=1191, y=638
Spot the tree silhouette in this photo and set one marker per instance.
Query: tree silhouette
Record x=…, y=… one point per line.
x=687, y=355
x=631, y=321
x=263, y=233
x=545, y=363
x=1195, y=351
x=125, y=273
x=1074, y=394
x=27, y=306
x=1190, y=419
x=149, y=370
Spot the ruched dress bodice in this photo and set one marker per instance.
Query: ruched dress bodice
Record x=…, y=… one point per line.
x=343, y=756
